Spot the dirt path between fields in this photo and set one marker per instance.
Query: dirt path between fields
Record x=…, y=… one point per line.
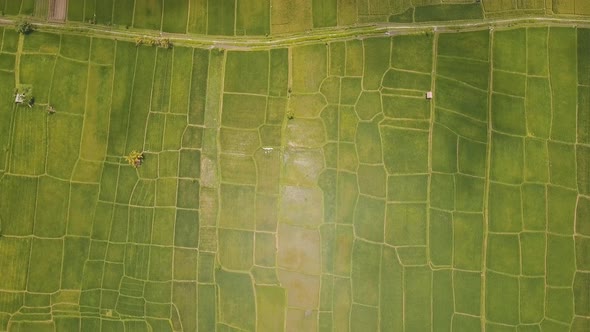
x=300, y=38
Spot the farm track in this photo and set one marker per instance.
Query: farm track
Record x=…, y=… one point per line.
x=307, y=37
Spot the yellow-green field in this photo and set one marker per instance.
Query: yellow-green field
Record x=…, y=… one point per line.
x=263, y=17
x=309, y=187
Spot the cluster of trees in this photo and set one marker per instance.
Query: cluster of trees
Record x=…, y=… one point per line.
x=159, y=42
x=24, y=27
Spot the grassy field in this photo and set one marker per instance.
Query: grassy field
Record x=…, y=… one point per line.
x=264, y=17
x=300, y=189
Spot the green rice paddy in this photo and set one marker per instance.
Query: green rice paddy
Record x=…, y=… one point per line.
x=310, y=187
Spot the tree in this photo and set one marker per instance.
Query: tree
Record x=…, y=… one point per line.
x=24, y=27
x=135, y=158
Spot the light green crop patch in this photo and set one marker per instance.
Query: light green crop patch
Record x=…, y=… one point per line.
x=369, y=217
x=467, y=287
x=467, y=241
x=444, y=149
x=405, y=150
x=441, y=238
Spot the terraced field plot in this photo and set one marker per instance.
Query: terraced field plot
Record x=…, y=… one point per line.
x=301, y=189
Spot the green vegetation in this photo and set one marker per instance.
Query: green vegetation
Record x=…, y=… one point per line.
x=451, y=12
x=135, y=158
x=159, y=42
x=24, y=27
x=23, y=95
x=305, y=187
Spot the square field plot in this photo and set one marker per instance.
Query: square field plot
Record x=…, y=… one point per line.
x=148, y=14
x=471, y=45
x=290, y=16
x=508, y=114
x=247, y=72
x=253, y=17
x=407, y=150
x=413, y=52
x=175, y=16
x=221, y=17
x=510, y=50
x=507, y=158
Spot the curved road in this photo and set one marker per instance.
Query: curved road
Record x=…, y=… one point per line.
x=306, y=37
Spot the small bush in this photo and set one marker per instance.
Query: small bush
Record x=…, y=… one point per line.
x=24, y=27
x=159, y=42
x=135, y=158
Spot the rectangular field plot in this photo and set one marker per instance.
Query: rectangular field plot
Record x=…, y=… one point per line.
x=18, y=211
x=37, y=70
x=461, y=98
x=253, y=17
x=95, y=134
x=7, y=62
x=451, y=12
x=472, y=45
x=102, y=51
x=104, y=11
x=148, y=14
x=64, y=135
x=52, y=208
x=140, y=102
x=537, y=51
x=247, y=72
x=325, y=13
x=14, y=260
x=175, y=16
x=472, y=72
x=89, y=10
x=221, y=17
x=75, y=47
x=68, y=87
x=413, y=52
x=42, y=42
x=6, y=94
x=121, y=99
x=123, y=12
x=562, y=71
x=181, y=80
x=510, y=50
x=76, y=10
x=197, y=21
x=161, y=81
x=10, y=41
x=44, y=276
x=29, y=143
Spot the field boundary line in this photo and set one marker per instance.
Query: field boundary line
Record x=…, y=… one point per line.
x=486, y=193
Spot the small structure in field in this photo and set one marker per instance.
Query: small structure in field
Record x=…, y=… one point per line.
x=19, y=98
x=23, y=95
x=429, y=95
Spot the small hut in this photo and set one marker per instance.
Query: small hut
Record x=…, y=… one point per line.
x=19, y=98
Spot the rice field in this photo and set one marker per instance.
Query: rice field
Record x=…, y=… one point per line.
x=266, y=17
x=312, y=187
